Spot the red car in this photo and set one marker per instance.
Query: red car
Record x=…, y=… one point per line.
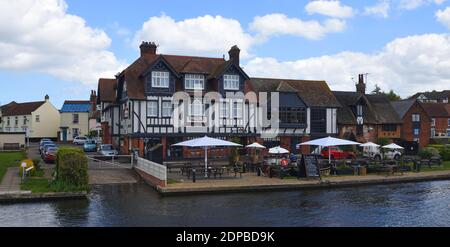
x=50, y=155
x=337, y=153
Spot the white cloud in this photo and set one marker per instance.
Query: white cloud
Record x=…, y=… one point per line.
x=330, y=8
x=443, y=16
x=380, y=9
x=413, y=4
x=280, y=24
x=405, y=65
x=42, y=36
x=204, y=35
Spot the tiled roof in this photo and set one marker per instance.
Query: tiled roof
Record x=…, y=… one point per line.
x=17, y=109
x=313, y=93
x=180, y=64
x=106, y=90
x=433, y=95
x=402, y=106
x=76, y=106
x=437, y=109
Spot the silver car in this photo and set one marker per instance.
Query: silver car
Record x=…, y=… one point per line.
x=107, y=150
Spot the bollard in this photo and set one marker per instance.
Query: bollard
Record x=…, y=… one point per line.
x=193, y=175
x=258, y=172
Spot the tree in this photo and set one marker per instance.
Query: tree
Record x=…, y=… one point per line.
x=377, y=89
x=392, y=96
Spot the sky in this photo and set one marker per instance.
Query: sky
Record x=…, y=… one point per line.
x=62, y=47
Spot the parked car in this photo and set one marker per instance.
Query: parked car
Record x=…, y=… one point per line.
x=80, y=140
x=42, y=145
x=90, y=146
x=378, y=155
x=107, y=150
x=337, y=153
x=46, y=147
x=44, y=140
x=50, y=155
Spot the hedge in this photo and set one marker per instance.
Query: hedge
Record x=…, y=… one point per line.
x=71, y=168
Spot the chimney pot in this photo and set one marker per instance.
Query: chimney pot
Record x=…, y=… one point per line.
x=148, y=48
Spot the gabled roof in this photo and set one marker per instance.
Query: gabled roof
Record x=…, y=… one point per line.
x=18, y=109
x=439, y=110
x=76, y=106
x=402, y=106
x=433, y=95
x=106, y=90
x=212, y=68
x=345, y=114
x=313, y=93
x=384, y=112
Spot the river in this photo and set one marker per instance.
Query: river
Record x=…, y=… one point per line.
x=410, y=204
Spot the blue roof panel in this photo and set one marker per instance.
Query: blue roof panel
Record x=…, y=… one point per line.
x=75, y=108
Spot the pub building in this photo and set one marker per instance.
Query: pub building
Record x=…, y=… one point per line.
x=138, y=105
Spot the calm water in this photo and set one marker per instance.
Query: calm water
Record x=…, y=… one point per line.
x=414, y=204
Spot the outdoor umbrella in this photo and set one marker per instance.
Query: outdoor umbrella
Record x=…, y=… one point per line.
x=393, y=146
x=255, y=145
x=329, y=141
x=370, y=146
x=206, y=142
x=278, y=150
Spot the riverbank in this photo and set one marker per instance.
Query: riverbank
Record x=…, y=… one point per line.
x=28, y=196
x=252, y=183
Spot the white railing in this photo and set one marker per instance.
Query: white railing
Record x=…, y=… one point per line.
x=110, y=162
x=154, y=169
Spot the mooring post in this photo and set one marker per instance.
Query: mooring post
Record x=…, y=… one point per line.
x=193, y=175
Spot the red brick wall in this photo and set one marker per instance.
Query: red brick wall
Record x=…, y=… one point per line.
x=407, y=132
x=106, y=137
x=441, y=125
x=389, y=134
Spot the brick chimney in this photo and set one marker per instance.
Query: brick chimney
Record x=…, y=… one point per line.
x=148, y=48
x=361, y=86
x=93, y=100
x=234, y=55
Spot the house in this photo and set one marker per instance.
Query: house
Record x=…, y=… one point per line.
x=109, y=110
x=38, y=119
x=307, y=110
x=416, y=121
x=440, y=119
x=94, y=124
x=432, y=97
x=138, y=105
x=74, y=120
x=366, y=117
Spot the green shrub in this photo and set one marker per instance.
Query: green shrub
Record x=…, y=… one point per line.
x=36, y=163
x=428, y=152
x=382, y=141
x=71, y=169
x=445, y=154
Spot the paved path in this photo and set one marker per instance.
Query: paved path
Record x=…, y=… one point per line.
x=11, y=181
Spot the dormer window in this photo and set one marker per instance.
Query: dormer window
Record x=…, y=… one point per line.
x=359, y=110
x=231, y=82
x=160, y=79
x=194, y=81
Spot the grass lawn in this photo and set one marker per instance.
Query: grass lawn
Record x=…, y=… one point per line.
x=9, y=159
x=36, y=185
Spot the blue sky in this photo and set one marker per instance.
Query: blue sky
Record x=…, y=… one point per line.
x=403, y=48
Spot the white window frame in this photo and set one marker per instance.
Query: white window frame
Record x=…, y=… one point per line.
x=448, y=121
x=38, y=119
x=448, y=132
x=164, y=108
x=433, y=121
x=418, y=132
x=224, y=111
x=433, y=132
x=25, y=120
x=238, y=109
x=415, y=117
x=160, y=79
x=359, y=110
x=194, y=108
x=194, y=81
x=231, y=82
x=150, y=109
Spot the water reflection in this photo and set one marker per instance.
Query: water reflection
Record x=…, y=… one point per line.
x=414, y=204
